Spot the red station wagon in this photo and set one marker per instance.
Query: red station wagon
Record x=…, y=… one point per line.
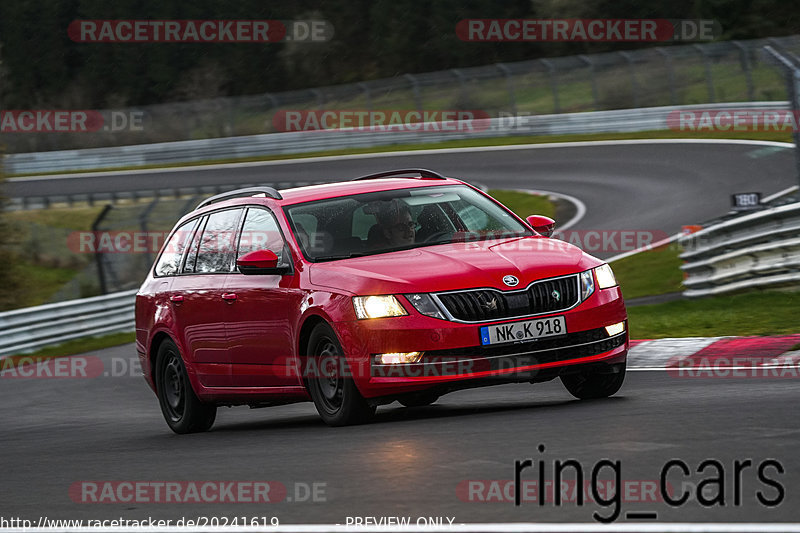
x=397, y=286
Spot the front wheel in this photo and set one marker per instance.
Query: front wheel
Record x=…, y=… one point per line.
x=335, y=395
x=592, y=385
x=182, y=409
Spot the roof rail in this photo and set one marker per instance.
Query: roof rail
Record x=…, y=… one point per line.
x=241, y=193
x=401, y=173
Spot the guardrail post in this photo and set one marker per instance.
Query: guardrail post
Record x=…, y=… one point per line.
x=551, y=69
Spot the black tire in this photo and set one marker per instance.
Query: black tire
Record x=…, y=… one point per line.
x=593, y=385
x=182, y=409
x=335, y=395
x=420, y=399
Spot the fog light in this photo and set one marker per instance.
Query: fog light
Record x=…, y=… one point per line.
x=615, y=329
x=398, y=358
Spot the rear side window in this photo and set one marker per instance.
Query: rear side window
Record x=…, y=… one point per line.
x=217, y=244
x=260, y=232
x=169, y=262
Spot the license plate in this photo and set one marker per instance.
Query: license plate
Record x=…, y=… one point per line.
x=523, y=331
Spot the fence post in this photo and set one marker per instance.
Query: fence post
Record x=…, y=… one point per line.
x=551, y=69
x=415, y=89
x=367, y=95
x=790, y=64
x=709, y=76
x=673, y=98
x=748, y=74
x=589, y=62
x=512, y=97
x=98, y=256
x=634, y=85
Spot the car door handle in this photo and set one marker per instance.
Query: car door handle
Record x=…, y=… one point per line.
x=229, y=296
x=176, y=298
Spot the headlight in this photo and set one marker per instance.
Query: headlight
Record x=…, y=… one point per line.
x=425, y=305
x=605, y=277
x=587, y=284
x=377, y=307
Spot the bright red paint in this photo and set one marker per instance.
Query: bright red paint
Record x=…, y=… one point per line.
x=241, y=336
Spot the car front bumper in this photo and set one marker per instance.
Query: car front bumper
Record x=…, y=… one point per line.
x=454, y=357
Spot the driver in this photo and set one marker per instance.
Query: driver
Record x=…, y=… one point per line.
x=396, y=224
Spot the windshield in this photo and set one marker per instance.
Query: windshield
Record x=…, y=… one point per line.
x=372, y=223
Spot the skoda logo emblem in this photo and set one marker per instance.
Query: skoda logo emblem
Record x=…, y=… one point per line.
x=511, y=281
x=556, y=295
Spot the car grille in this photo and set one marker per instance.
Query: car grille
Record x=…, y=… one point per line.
x=488, y=304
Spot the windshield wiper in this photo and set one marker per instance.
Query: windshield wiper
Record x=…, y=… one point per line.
x=341, y=256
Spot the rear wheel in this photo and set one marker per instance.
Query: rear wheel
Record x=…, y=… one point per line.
x=182, y=409
x=335, y=395
x=592, y=385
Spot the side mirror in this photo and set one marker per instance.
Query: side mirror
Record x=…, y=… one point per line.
x=542, y=224
x=260, y=262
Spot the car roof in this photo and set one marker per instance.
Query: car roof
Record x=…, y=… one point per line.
x=324, y=191
x=347, y=188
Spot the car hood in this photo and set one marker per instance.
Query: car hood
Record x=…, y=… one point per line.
x=453, y=266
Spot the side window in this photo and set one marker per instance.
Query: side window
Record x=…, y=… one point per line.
x=218, y=243
x=260, y=232
x=170, y=261
x=191, y=255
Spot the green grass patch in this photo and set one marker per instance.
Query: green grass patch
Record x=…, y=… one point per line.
x=752, y=313
x=37, y=283
x=74, y=347
x=524, y=204
x=650, y=273
x=465, y=143
x=74, y=218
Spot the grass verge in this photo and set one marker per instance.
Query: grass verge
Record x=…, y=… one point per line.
x=753, y=313
x=524, y=204
x=650, y=273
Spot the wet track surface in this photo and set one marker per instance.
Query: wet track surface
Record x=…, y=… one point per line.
x=420, y=462
x=408, y=462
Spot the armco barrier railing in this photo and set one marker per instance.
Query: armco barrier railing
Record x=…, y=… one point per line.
x=760, y=249
x=25, y=330
x=620, y=120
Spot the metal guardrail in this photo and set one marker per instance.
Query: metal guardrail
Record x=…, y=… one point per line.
x=620, y=120
x=757, y=250
x=26, y=330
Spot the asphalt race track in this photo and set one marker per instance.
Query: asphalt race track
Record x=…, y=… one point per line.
x=441, y=460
